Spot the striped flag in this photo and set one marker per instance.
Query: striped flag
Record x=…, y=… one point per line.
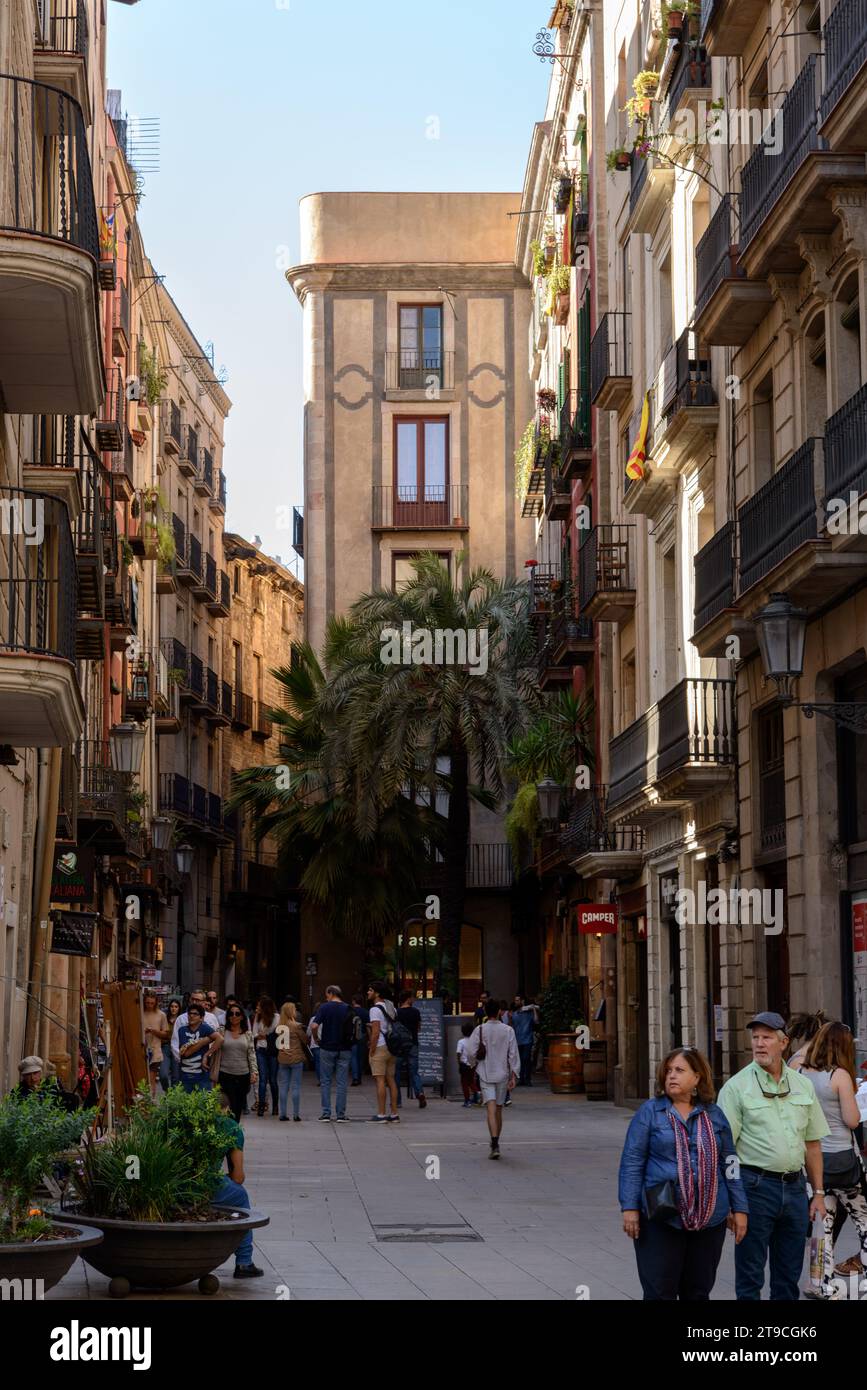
x=635, y=468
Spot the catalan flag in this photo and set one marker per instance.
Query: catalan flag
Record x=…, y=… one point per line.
x=107, y=233
x=635, y=468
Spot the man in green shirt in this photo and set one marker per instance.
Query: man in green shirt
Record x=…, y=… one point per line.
x=778, y=1125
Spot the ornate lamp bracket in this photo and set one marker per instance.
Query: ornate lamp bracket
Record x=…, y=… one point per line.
x=848, y=714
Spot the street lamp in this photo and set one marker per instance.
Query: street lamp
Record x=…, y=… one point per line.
x=184, y=859
x=550, y=794
x=126, y=742
x=781, y=630
x=162, y=830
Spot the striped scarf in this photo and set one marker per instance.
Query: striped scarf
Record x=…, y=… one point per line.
x=696, y=1199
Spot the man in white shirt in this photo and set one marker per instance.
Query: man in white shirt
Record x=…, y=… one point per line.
x=197, y=997
x=219, y=1014
x=494, y=1049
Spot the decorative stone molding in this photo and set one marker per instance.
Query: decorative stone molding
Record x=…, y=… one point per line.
x=850, y=206
x=817, y=252
x=356, y=396
x=486, y=374
x=786, y=290
x=304, y=278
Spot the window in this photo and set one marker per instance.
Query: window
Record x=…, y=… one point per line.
x=763, y=431
x=772, y=780
x=421, y=471
x=237, y=579
x=401, y=566
x=421, y=340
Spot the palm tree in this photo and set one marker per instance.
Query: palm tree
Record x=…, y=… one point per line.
x=426, y=728
x=362, y=878
x=556, y=745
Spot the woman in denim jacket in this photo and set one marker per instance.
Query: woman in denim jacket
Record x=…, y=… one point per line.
x=683, y=1139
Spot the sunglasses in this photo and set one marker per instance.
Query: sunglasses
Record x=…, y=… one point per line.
x=234, y=1013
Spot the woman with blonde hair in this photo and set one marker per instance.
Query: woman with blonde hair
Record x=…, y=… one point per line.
x=830, y=1065
x=291, y=1056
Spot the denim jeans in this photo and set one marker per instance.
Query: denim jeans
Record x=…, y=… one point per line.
x=199, y=1081
x=267, y=1076
x=401, y=1066
x=290, y=1077
x=329, y=1063
x=232, y=1194
x=316, y=1065
x=778, y=1221
x=675, y=1264
x=170, y=1071
x=525, y=1052
x=357, y=1060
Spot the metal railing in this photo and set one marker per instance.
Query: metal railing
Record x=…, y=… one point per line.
x=638, y=169
x=38, y=578
x=219, y=498
x=298, y=531
x=262, y=723
x=226, y=703
x=489, y=866
x=199, y=802
x=123, y=460
x=714, y=576
x=692, y=69
x=610, y=350
x=692, y=724
x=102, y=791
x=588, y=830
x=48, y=184
x=225, y=591
x=179, y=532
x=212, y=690
x=172, y=422
x=420, y=509
x=778, y=518
x=197, y=677
x=844, y=39
x=715, y=254
x=195, y=556
x=211, y=575
x=411, y=369
x=766, y=176
x=606, y=561
x=110, y=423
x=846, y=448
x=575, y=420
x=205, y=472
x=243, y=710
x=66, y=28
x=121, y=308
x=174, y=793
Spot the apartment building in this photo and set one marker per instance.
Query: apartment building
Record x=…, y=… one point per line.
x=261, y=947
x=416, y=391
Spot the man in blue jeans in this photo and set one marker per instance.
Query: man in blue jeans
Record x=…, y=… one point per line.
x=777, y=1125
x=523, y=1022
x=329, y=1023
x=232, y=1193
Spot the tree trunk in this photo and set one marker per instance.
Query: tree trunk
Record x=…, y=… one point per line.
x=454, y=875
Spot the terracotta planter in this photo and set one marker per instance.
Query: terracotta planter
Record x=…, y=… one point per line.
x=565, y=1064
x=561, y=307
x=623, y=161
x=165, y=1255
x=47, y=1260
x=675, y=23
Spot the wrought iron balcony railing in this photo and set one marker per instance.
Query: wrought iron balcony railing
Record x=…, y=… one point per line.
x=575, y=421
x=38, y=594
x=411, y=369
x=766, y=175
x=102, y=791
x=66, y=29
x=413, y=508
x=692, y=69
x=715, y=576
x=781, y=516
x=589, y=831
x=606, y=561
x=693, y=724
x=716, y=252
x=298, y=531
x=844, y=39
x=610, y=351
x=846, y=448
x=489, y=866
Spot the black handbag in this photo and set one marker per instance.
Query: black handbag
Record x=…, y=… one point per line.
x=661, y=1201
x=842, y=1170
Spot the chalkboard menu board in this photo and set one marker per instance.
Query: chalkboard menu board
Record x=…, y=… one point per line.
x=72, y=933
x=431, y=1041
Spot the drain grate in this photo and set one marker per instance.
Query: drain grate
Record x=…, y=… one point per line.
x=427, y=1232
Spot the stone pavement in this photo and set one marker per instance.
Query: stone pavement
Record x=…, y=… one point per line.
x=354, y=1216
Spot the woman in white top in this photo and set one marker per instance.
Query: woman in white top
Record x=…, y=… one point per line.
x=265, y=1023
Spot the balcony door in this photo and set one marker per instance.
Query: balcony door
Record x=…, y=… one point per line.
x=421, y=471
x=421, y=346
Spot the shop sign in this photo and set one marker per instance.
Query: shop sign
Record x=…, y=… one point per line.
x=596, y=919
x=859, y=968
x=72, y=933
x=72, y=874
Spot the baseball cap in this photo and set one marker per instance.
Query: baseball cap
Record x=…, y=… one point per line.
x=768, y=1020
x=28, y=1065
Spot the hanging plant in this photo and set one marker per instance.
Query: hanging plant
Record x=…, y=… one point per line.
x=540, y=264
x=618, y=160
x=547, y=398
x=562, y=191
x=153, y=380
x=524, y=456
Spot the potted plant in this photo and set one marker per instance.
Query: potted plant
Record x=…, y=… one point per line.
x=34, y=1135
x=562, y=191
x=161, y=1230
x=539, y=261
x=644, y=86
x=547, y=398
x=618, y=159
x=560, y=1016
x=673, y=16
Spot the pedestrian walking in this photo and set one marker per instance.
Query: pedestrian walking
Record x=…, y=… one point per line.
x=830, y=1065
x=156, y=1032
x=233, y=1193
x=383, y=1016
x=407, y=1062
x=469, y=1080
x=678, y=1185
x=777, y=1125
x=801, y=1029
x=493, y=1049
x=211, y=1003
x=292, y=1052
x=265, y=1022
x=198, y=998
x=480, y=1014
x=170, y=1071
x=332, y=1022
x=238, y=1062
x=194, y=1047
x=359, y=1049
x=523, y=1022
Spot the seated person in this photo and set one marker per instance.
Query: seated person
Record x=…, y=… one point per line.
x=232, y=1193
x=32, y=1072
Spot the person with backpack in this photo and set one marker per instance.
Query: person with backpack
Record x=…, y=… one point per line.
x=492, y=1046
x=334, y=1025
x=410, y=1017
x=388, y=1038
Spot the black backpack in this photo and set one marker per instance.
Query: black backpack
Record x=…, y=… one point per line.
x=399, y=1039
x=353, y=1029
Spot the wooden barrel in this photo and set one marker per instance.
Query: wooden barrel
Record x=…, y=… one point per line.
x=596, y=1072
x=565, y=1064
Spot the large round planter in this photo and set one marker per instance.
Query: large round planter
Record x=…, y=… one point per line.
x=154, y=1255
x=565, y=1064
x=47, y=1260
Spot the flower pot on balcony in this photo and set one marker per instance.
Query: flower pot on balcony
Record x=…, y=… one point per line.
x=561, y=307
x=675, y=23
x=562, y=194
x=622, y=161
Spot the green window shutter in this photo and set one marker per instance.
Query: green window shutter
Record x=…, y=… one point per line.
x=562, y=384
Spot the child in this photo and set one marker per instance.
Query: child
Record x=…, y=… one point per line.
x=469, y=1080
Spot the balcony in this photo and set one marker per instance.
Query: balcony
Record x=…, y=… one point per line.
x=175, y=798
x=298, y=531
x=684, y=424
x=715, y=584
x=218, y=502
x=599, y=848
x=682, y=748
x=217, y=712
x=142, y=527
x=167, y=704
x=171, y=422
x=611, y=362
x=441, y=507
x=558, y=492
x=551, y=674
x=50, y=345
x=188, y=458
x=606, y=572
x=120, y=335
x=120, y=608
x=690, y=82
x=102, y=798
x=88, y=536
x=196, y=567
x=196, y=683
x=242, y=713
x=60, y=54
x=543, y=446
x=843, y=109
x=263, y=726
x=728, y=306
x=419, y=373
x=489, y=866
x=218, y=589
x=211, y=580
x=572, y=637
x=178, y=662
x=776, y=207
x=726, y=25
x=111, y=417
x=204, y=479
x=123, y=470
x=650, y=190
x=575, y=439
x=139, y=693
x=40, y=700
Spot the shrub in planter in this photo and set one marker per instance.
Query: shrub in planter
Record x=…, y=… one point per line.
x=619, y=159
x=559, y=1018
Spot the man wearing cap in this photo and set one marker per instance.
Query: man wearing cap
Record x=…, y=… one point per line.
x=31, y=1074
x=777, y=1124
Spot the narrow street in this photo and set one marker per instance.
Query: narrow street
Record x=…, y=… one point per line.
x=353, y=1215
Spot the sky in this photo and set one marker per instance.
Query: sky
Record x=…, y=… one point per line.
x=262, y=101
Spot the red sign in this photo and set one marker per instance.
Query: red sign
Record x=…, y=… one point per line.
x=596, y=919
x=859, y=926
